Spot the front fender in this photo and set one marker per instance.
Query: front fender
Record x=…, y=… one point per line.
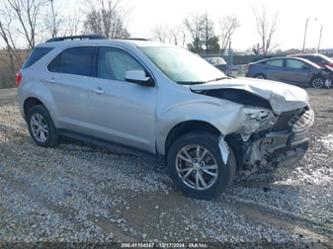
x=223, y=115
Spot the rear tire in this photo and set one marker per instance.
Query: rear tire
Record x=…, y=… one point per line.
x=317, y=82
x=185, y=169
x=41, y=127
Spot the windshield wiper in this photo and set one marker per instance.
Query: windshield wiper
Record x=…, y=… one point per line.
x=200, y=82
x=191, y=82
x=216, y=79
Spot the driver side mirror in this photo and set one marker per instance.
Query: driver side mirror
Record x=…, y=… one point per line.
x=139, y=77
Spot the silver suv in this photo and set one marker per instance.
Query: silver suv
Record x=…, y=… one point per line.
x=166, y=101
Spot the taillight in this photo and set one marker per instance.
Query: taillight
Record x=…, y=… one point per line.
x=18, y=78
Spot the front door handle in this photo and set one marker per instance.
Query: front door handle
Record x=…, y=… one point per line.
x=99, y=91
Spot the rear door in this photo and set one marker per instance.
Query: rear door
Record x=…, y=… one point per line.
x=69, y=77
x=296, y=71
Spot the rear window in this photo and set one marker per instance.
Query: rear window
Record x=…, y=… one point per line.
x=35, y=55
x=78, y=60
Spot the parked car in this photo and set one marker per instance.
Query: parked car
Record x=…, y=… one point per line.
x=319, y=59
x=292, y=70
x=163, y=100
x=217, y=62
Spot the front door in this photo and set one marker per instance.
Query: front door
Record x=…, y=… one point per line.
x=121, y=111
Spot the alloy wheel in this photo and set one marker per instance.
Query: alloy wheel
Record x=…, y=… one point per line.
x=196, y=167
x=39, y=127
x=317, y=83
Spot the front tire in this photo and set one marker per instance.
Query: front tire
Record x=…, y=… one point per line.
x=41, y=127
x=195, y=165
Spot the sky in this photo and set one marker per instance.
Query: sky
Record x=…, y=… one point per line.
x=143, y=15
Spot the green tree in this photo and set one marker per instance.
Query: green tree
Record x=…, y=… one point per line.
x=203, y=37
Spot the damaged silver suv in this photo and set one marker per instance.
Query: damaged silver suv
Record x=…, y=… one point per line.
x=166, y=101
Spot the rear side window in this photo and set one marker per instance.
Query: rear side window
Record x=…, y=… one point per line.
x=35, y=55
x=295, y=64
x=78, y=60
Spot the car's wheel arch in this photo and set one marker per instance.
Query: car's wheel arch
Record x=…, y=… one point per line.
x=29, y=103
x=260, y=74
x=188, y=126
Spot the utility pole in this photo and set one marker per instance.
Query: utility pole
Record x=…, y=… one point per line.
x=320, y=34
x=231, y=58
x=53, y=19
x=305, y=33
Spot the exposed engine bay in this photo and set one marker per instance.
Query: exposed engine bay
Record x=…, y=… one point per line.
x=266, y=138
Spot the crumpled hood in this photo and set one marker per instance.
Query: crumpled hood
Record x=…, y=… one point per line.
x=281, y=96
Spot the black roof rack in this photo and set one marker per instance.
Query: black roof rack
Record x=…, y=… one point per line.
x=134, y=39
x=77, y=37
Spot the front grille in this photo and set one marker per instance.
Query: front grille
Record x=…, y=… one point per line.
x=282, y=124
x=296, y=121
x=302, y=123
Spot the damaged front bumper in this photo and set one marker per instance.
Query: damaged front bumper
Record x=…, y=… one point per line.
x=274, y=145
x=285, y=140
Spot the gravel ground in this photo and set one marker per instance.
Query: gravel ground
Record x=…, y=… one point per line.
x=79, y=193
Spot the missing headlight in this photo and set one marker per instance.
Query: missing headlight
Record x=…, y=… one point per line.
x=256, y=119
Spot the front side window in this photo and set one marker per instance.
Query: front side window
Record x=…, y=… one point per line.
x=295, y=64
x=113, y=64
x=78, y=60
x=182, y=66
x=275, y=63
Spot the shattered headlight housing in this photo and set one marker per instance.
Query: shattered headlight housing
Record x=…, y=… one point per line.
x=256, y=119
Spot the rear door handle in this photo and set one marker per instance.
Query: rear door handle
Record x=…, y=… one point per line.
x=99, y=91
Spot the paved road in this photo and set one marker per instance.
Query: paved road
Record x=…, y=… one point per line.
x=7, y=96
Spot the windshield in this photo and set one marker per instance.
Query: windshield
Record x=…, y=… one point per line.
x=183, y=66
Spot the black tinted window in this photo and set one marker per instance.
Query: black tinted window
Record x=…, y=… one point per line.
x=114, y=63
x=312, y=58
x=35, y=55
x=315, y=59
x=79, y=60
